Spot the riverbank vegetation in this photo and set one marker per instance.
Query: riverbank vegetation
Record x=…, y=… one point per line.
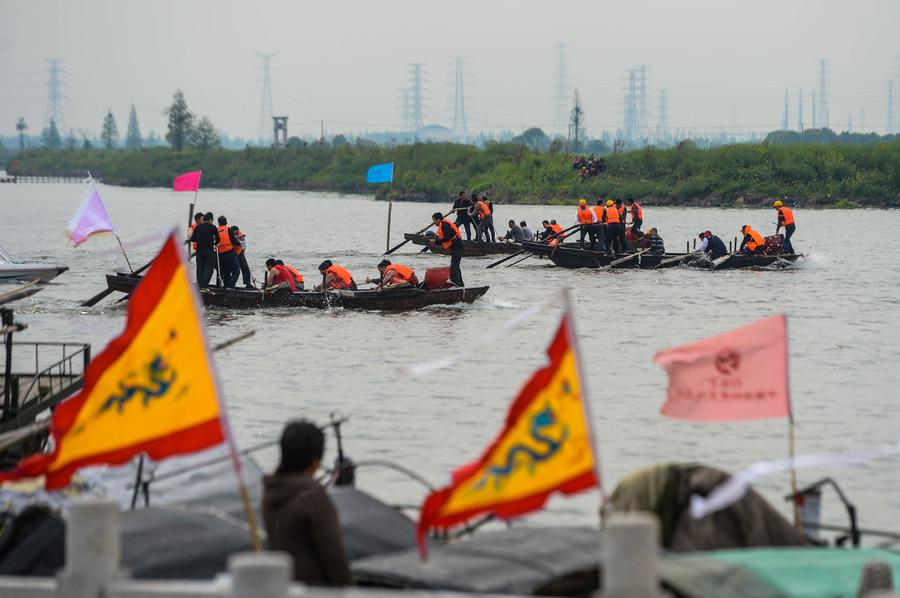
x=744, y=174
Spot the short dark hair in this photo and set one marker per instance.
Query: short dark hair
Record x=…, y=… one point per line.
x=270, y=262
x=599, y=202
x=545, y=222
x=302, y=443
x=512, y=222
x=198, y=216
x=325, y=265
x=437, y=215
x=384, y=264
x=522, y=223
x=235, y=228
x=208, y=216
x=618, y=200
x=553, y=222
x=630, y=200
x=223, y=221
x=279, y=262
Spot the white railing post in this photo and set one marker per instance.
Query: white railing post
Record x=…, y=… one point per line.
x=260, y=575
x=92, y=548
x=629, y=552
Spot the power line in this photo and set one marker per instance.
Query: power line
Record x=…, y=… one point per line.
x=266, y=112
x=54, y=110
x=643, y=122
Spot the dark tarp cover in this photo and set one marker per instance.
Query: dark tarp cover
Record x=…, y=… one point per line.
x=519, y=560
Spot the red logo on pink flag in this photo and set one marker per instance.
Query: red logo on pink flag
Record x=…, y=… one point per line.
x=189, y=181
x=738, y=375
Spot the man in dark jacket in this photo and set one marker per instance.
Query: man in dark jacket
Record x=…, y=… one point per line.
x=206, y=238
x=461, y=207
x=299, y=517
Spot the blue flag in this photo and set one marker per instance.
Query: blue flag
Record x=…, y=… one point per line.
x=381, y=173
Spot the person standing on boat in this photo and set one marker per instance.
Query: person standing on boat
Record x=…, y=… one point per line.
x=241, y=251
x=278, y=277
x=335, y=277
x=299, y=516
x=515, y=233
x=228, y=262
x=483, y=213
x=612, y=221
x=449, y=238
x=528, y=234
x=599, y=226
x=461, y=207
x=785, y=219
x=753, y=242
x=394, y=275
x=198, y=218
x=490, y=225
x=712, y=246
x=637, y=216
x=586, y=219
x=205, y=238
x=657, y=246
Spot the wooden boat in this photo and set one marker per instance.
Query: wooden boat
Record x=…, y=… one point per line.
x=470, y=248
x=571, y=257
x=387, y=300
x=744, y=260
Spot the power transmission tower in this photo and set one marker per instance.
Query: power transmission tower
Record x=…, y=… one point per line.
x=823, y=94
x=849, y=122
x=662, y=121
x=643, y=119
x=576, y=123
x=266, y=111
x=562, y=100
x=630, y=127
x=54, y=96
x=800, y=111
x=460, y=128
x=813, y=106
x=890, y=108
x=416, y=108
x=784, y=117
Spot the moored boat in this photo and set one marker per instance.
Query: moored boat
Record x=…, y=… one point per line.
x=13, y=270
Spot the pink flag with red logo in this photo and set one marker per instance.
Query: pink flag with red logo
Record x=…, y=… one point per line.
x=189, y=181
x=736, y=376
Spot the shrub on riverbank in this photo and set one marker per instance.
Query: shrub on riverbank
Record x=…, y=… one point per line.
x=746, y=174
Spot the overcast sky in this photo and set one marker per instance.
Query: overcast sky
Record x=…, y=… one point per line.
x=724, y=64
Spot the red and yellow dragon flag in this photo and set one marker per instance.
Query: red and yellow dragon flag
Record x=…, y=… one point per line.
x=152, y=390
x=546, y=446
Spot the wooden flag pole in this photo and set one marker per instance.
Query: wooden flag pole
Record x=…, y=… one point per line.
x=387, y=245
x=122, y=247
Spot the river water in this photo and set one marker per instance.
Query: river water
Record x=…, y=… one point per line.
x=843, y=303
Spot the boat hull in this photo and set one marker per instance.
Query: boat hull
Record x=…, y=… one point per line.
x=742, y=261
x=22, y=271
x=470, y=248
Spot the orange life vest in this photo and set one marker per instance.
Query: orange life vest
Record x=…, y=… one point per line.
x=297, y=276
x=224, y=240
x=637, y=212
x=400, y=271
x=239, y=249
x=282, y=274
x=585, y=215
x=612, y=215
x=755, y=239
x=598, y=212
x=621, y=213
x=482, y=209
x=344, y=280
x=190, y=233
x=440, y=234
x=787, y=215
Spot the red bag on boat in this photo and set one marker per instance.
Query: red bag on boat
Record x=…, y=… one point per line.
x=774, y=245
x=437, y=278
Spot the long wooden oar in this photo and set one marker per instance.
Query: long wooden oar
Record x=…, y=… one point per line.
x=396, y=247
x=509, y=257
x=102, y=294
x=627, y=258
x=673, y=260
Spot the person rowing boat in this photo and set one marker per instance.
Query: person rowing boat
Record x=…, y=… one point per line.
x=394, y=275
x=753, y=242
x=334, y=277
x=449, y=238
x=278, y=278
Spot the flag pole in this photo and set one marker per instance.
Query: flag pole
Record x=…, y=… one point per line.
x=585, y=401
x=798, y=523
x=122, y=247
x=387, y=246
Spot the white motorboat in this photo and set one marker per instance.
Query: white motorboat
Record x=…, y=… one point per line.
x=13, y=270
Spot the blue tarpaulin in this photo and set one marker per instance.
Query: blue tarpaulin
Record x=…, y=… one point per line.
x=381, y=173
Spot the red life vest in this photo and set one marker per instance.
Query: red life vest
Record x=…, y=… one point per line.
x=440, y=234
x=787, y=215
x=239, y=249
x=585, y=215
x=482, y=209
x=224, y=240
x=612, y=215
x=344, y=279
x=190, y=233
x=281, y=274
x=401, y=273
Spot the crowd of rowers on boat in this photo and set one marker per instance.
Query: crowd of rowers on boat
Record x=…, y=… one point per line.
x=605, y=227
x=222, y=250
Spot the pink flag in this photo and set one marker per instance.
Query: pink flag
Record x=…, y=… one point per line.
x=91, y=218
x=189, y=181
x=736, y=376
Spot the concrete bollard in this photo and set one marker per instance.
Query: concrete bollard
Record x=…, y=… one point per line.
x=629, y=554
x=260, y=574
x=876, y=576
x=92, y=548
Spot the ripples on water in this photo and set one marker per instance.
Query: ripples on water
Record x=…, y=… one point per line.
x=842, y=302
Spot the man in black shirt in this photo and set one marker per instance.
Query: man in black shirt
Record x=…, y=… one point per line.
x=461, y=207
x=206, y=237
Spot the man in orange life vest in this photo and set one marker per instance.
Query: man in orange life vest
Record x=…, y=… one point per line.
x=637, y=215
x=586, y=219
x=753, y=241
x=449, y=238
x=228, y=262
x=335, y=277
x=241, y=250
x=394, y=275
x=785, y=219
x=485, y=219
x=278, y=278
x=198, y=218
x=600, y=226
x=298, y=278
x=613, y=226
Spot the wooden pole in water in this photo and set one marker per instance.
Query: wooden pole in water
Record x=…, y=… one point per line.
x=387, y=245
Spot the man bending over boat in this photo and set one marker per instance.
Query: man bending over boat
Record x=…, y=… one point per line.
x=712, y=246
x=515, y=234
x=278, y=277
x=394, y=275
x=334, y=277
x=657, y=246
x=753, y=242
